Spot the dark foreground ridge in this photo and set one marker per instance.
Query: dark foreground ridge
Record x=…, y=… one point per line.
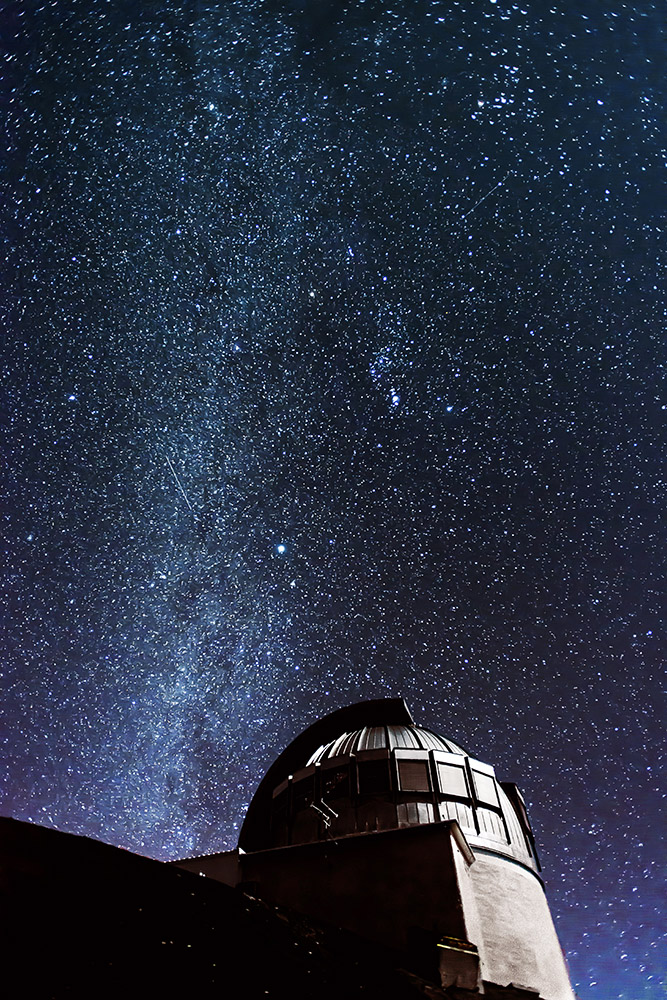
x=91, y=920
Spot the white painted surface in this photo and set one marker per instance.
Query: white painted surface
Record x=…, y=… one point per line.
x=519, y=942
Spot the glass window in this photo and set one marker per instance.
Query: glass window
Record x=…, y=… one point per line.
x=413, y=776
x=452, y=780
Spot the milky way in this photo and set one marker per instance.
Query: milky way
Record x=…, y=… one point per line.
x=332, y=370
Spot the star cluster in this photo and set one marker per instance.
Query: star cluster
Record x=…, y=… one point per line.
x=333, y=371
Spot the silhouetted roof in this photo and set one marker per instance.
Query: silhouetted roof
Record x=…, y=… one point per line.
x=90, y=920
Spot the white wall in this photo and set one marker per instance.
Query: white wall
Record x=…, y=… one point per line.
x=519, y=942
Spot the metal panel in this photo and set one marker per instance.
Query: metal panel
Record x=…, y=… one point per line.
x=407, y=814
x=465, y=816
x=429, y=741
x=425, y=812
x=372, y=738
x=281, y=788
x=452, y=780
x=334, y=749
x=374, y=777
x=413, y=775
x=485, y=788
x=491, y=825
x=303, y=793
x=402, y=736
x=350, y=743
x=433, y=741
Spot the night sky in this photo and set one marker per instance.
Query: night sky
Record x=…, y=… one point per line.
x=332, y=355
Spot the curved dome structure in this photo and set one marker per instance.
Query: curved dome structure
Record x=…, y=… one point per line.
x=400, y=836
x=369, y=768
x=383, y=737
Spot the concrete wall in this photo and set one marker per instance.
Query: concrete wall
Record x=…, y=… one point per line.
x=409, y=889
x=398, y=888
x=518, y=939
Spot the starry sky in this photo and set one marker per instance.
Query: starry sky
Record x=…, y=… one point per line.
x=332, y=361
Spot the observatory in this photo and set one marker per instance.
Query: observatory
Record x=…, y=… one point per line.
x=370, y=823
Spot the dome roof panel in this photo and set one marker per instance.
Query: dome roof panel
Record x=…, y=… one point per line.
x=431, y=741
x=405, y=737
x=347, y=745
x=402, y=737
x=372, y=738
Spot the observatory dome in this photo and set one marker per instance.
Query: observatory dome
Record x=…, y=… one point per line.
x=369, y=768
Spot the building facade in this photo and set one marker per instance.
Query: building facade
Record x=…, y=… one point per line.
x=371, y=823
